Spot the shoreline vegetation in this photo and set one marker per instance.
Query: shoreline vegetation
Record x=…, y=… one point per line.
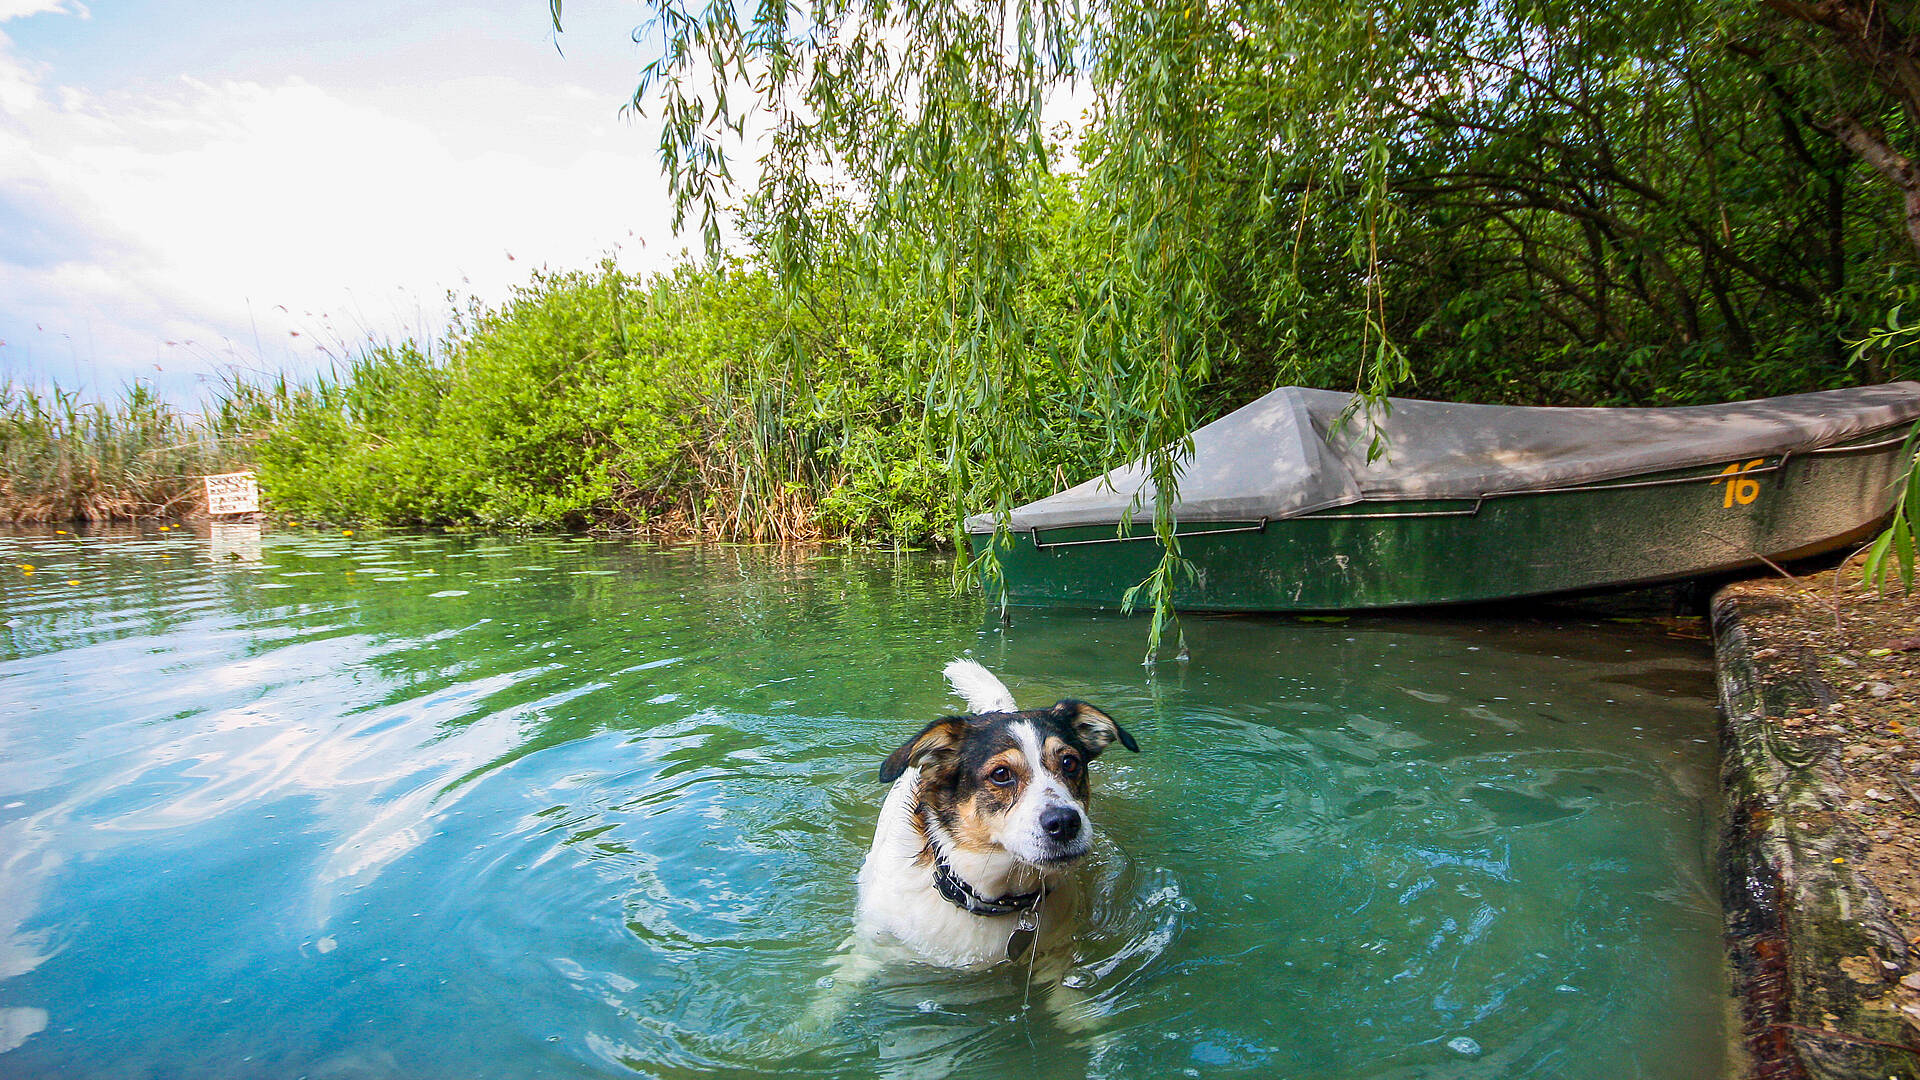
x=700, y=404
x=696, y=404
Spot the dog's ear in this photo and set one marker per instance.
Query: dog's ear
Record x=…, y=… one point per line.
x=1096, y=729
x=940, y=737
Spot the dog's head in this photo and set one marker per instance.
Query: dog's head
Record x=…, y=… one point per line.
x=1012, y=782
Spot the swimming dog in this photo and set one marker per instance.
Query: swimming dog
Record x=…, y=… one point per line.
x=986, y=816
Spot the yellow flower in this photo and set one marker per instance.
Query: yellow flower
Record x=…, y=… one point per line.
x=26, y=568
x=59, y=532
x=73, y=581
x=346, y=532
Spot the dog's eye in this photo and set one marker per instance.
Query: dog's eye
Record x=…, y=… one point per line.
x=1069, y=765
x=1001, y=775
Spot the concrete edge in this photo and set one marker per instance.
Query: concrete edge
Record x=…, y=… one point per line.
x=1812, y=946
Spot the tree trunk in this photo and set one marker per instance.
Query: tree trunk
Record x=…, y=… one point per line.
x=1866, y=32
x=1898, y=169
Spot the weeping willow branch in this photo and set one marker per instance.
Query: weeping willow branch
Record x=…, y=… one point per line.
x=1262, y=187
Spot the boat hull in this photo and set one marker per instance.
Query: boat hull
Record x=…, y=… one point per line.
x=1635, y=530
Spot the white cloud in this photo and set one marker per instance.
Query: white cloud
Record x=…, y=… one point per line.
x=198, y=210
x=19, y=88
x=20, y=9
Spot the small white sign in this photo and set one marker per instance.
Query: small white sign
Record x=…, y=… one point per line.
x=233, y=493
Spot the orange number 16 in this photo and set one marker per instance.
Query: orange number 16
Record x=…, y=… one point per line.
x=1741, y=488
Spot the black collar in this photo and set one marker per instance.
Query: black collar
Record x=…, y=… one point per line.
x=961, y=895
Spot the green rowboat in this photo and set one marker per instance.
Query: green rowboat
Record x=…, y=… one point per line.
x=1280, y=508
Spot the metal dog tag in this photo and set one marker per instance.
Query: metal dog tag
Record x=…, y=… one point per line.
x=1022, y=937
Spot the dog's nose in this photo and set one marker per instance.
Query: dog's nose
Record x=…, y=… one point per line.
x=1060, y=823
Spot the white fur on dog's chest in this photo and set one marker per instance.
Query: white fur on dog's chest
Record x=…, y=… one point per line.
x=898, y=898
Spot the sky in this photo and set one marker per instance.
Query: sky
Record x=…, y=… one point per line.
x=186, y=187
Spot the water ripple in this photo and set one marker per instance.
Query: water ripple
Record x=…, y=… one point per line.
x=455, y=806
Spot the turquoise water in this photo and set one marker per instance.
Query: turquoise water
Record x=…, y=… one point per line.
x=429, y=806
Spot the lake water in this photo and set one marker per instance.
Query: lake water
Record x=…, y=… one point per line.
x=435, y=806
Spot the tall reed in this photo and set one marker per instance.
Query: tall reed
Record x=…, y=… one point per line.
x=134, y=456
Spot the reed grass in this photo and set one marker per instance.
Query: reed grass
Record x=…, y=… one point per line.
x=130, y=457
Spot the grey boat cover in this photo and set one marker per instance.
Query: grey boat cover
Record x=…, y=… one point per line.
x=1287, y=454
